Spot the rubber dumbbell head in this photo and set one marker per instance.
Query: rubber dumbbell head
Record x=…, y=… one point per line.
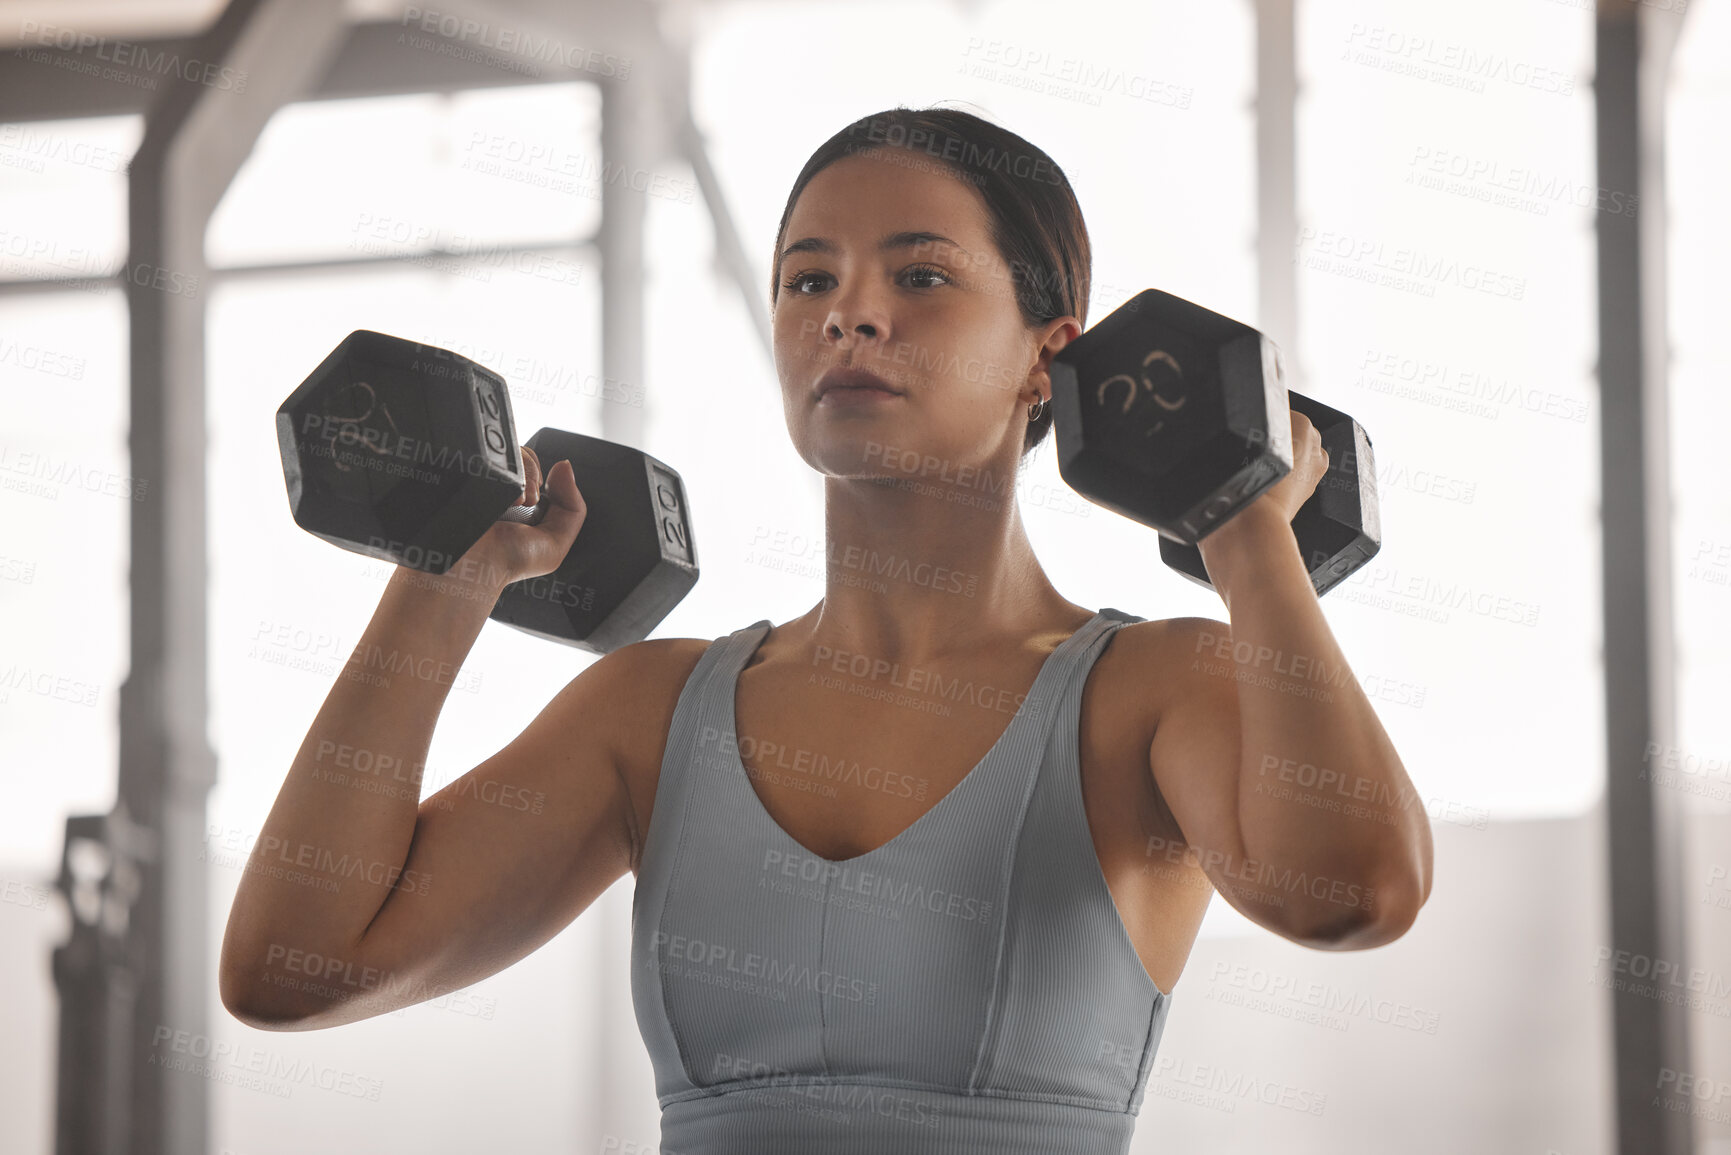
x=1178, y=417
x=399, y=451
x=633, y=560
x=408, y=453
x=1339, y=527
x=1171, y=415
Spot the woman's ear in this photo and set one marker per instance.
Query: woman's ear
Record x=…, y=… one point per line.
x=1054, y=335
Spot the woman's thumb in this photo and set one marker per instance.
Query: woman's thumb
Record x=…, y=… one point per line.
x=567, y=501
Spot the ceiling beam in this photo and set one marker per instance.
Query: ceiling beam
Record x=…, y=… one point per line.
x=39, y=80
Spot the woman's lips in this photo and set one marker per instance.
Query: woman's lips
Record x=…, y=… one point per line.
x=856, y=395
x=838, y=380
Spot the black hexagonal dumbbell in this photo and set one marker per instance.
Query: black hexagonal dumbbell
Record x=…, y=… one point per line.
x=633, y=560
x=407, y=453
x=1177, y=417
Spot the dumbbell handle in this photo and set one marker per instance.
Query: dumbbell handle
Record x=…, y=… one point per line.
x=526, y=514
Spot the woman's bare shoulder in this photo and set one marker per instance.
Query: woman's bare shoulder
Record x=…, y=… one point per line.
x=1150, y=658
x=644, y=689
x=646, y=685
x=648, y=678
x=1185, y=631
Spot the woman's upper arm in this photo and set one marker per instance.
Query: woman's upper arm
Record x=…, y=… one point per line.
x=506, y=856
x=1195, y=755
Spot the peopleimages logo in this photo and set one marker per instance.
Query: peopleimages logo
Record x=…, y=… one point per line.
x=725, y=965
x=22, y=146
x=901, y=892
x=461, y=36
x=137, y=58
x=1402, y=267
x=1422, y=57
x=253, y=1068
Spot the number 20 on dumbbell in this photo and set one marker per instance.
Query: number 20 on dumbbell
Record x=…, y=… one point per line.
x=1177, y=417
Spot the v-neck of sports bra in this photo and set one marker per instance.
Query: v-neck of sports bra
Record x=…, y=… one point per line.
x=738, y=763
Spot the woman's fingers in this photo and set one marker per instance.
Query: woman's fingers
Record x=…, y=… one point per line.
x=566, y=511
x=531, y=478
x=562, y=483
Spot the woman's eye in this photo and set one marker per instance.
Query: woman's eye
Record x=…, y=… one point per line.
x=796, y=283
x=929, y=271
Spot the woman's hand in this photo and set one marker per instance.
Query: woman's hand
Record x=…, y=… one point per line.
x=1274, y=508
x=1309, y=465
x=510, y=551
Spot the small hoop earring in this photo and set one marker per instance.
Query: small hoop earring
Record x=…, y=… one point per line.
x=1035, y=411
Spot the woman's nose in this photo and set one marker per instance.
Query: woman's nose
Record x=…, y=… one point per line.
x=863, y=328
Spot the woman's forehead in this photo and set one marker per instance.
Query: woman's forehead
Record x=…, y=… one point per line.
x=865, y=196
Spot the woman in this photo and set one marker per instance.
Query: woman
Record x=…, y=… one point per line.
x=919, y=869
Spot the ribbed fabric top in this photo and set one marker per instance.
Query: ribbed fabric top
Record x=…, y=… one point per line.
x=968, y=987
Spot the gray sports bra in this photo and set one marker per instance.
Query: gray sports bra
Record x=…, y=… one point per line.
x=966, y=987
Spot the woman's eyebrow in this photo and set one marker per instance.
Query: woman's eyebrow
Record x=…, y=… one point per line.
x=902, y=240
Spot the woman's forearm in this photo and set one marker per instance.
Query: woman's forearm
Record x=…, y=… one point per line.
x=1322, y=792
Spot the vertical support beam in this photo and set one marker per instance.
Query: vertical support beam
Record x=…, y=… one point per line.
x=1277, y=179
x=1633, y=46
x=730, y=255
x=628, y=144
x=137, y=965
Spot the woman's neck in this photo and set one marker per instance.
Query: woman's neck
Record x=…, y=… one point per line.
x=916, y=571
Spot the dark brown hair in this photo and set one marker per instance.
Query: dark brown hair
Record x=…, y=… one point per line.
x=1037, y=225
